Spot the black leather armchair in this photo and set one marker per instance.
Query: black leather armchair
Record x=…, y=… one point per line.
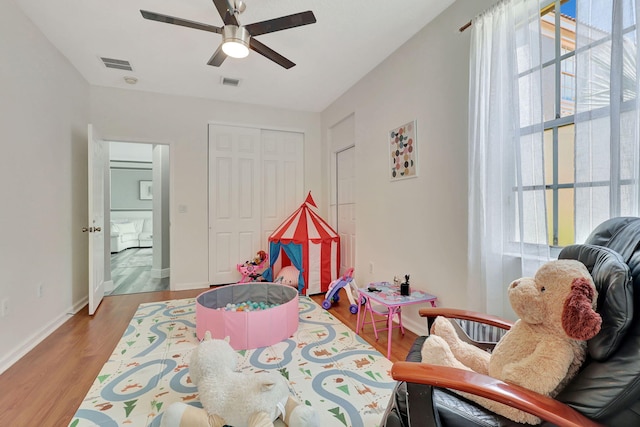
x=605, y=392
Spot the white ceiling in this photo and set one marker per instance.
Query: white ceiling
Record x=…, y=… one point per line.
x=348, y=40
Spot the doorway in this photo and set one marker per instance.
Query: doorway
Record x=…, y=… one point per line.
x=343, y=188
x=346, y=206
x=137, y=210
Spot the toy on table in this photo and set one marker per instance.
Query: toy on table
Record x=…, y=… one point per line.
x=235, y=398
x=251, y=270
x=352, y=292
x=405, y=290
x=543, y=350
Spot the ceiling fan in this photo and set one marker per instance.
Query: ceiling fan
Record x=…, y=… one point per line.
x=238, y=39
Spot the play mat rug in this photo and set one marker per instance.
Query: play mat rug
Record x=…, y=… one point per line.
x=328, y=367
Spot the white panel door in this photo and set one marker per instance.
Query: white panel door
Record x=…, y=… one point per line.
x=96, y=172
x=283, y=178
x=346, y=201
x=234, y=200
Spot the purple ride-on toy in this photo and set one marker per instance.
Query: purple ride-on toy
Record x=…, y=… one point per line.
x=352, y=292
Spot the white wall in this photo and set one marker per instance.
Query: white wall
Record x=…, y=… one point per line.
x=415, y=226
x=130, y=152
x=125, y=188
x=181, y=122
x=43, y=170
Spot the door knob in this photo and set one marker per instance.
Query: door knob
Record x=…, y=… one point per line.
x=96, y=229
x=85, y=229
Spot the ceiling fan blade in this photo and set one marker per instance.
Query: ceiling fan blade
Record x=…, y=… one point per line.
x=179, y=21
x=282, y=23
x=223, y=10
x=218, y=57
x=270, y=54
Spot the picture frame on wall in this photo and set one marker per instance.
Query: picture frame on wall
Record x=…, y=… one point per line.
x=146, y=190
x=403, y=158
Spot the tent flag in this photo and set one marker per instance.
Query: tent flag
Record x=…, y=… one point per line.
x=310, y=200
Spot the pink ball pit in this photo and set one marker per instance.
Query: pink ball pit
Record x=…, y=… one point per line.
x=248, y=329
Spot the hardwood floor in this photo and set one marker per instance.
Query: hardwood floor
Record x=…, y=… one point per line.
x=46, y=387
x=131, y=272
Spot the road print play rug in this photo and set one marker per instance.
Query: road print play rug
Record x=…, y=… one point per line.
x=328, y=366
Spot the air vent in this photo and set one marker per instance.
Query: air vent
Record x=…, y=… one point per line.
x=118, y=64
x=227, y=81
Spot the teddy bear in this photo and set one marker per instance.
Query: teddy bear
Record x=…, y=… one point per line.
x=545, y=347
x=234, y=398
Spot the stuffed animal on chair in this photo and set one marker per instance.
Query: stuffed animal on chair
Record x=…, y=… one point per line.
x=234, y=398
x=543, y=350
x=251, y=270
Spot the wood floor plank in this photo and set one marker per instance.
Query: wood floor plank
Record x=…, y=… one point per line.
x=46, y=387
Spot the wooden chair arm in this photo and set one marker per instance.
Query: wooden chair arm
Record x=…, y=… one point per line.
x=454, y=313
x=485, y=386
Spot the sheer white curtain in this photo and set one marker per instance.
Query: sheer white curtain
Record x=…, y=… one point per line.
x=606, y=121
x=507, y=215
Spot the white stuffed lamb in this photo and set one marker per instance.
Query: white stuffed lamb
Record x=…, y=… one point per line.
x=235, y=398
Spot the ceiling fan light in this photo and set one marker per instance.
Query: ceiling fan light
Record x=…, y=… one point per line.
x=235, y=49
x=235, y=41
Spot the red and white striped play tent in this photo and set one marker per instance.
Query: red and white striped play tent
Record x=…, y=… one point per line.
x=307, y=242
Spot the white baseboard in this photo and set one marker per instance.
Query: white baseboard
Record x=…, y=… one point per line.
x=419, y=328
x=108, y=286
x=160, y=273
x=32, y=341
x=79, y=305
x=189, y=286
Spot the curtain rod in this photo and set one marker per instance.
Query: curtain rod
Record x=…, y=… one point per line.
x=543, y=11
x=465, y=26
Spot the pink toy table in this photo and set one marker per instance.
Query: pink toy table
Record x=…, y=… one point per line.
x=248, y=329
x=389, y=296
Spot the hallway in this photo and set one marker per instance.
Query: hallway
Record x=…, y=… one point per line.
x=131, y=272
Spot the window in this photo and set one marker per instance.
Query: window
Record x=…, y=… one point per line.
x=593, y=177
x=557, y=152
x=558, y=46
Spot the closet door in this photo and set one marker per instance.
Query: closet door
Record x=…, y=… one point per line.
x=283, y=186
x=235, y=175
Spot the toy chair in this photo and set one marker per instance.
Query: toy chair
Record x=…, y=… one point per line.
x=604, y=392
x=381, y=311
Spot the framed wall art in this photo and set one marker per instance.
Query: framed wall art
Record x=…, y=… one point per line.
x=402, y=152
x=146, y=190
